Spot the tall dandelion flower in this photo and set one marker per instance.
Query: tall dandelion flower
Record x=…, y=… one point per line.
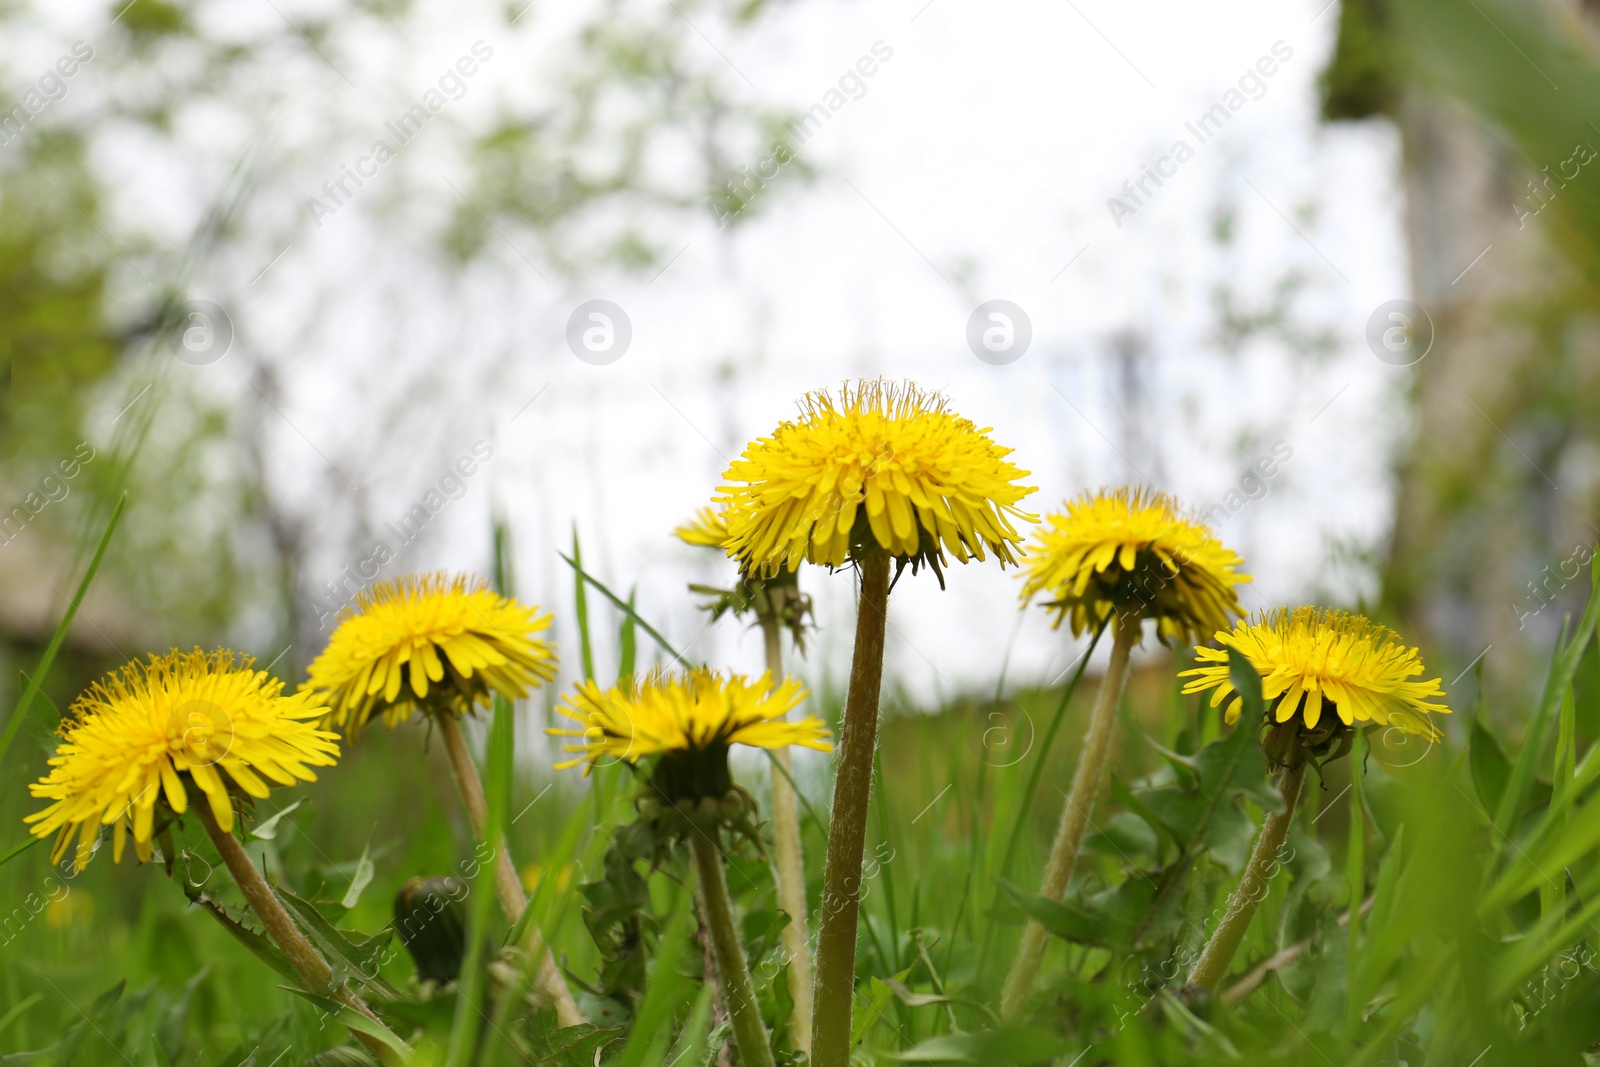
x=143, y=737
x=148, y=734
x=1116, y=557
x=679, y=729
x=442, y=646
x=1324, y=673
x=778, y=605
x=883, y=466
x=875, y=473
x=429, y=643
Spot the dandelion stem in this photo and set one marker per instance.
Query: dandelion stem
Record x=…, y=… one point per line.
x=748, y=1031
x=512, y=898
x=301, y=954
x=790, y=861
x=834, y=987
x=1075, y=816
x=1217, y=956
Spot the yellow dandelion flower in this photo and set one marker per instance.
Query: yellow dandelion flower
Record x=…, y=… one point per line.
x=1319, y=661
x=151, y=730
x=429, y=643
x=1131, y=550
x=708, y=529
x=883, y=464
x=690, y=719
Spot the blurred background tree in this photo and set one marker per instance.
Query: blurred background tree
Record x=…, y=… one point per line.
x=1498, y=488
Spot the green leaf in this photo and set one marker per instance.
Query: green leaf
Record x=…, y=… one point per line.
x=353, y=1020
x=267, y=830
x=1205, y=815
x=60, y=635
x=877, y=1003
x=17, y=1010
x=1490, y=768
x=72, y=1041
x=1109, y=918
x=1248, y=684
x=265, y=950
x=350, y=954
x=360, y=880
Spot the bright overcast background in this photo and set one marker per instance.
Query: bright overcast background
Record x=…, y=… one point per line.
x=976, y=165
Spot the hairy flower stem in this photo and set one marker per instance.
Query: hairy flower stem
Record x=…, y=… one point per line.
x=1217, y=956
x=790, y=862
x=513, y=901
x=1075, y=816
x=301, y=954
x=834, y=988
x=749, y=1034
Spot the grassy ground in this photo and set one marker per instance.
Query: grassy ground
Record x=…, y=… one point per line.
x=1478, y=859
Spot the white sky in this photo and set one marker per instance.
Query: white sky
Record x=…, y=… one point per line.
x=976, y=166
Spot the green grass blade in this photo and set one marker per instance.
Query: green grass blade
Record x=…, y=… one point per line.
x=1356, y=876
x=580, y=606
x=497, y=795
x=1037, y=771
x=628, y=640
x=19, y=850
x=49, y=657
x=576, y=563
x=1563, y=666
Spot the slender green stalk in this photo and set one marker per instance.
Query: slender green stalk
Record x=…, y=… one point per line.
x=301, y=954
x=1356, y=875
x=1025, y=805
x=834, y=987
x=512, y=898
x=1075, y=816
x=790, y=861
x=749, y=1034
x=1217, y=956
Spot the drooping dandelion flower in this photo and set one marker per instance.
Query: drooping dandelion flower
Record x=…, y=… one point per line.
x=1323, y=673
x=150, y=732
x=429, y=642
x=681, y=726
x=1319, y=662
x=881, y=465
x=1131, y=550
x=689, y=721
x=707, y=529
x=1128, y=555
